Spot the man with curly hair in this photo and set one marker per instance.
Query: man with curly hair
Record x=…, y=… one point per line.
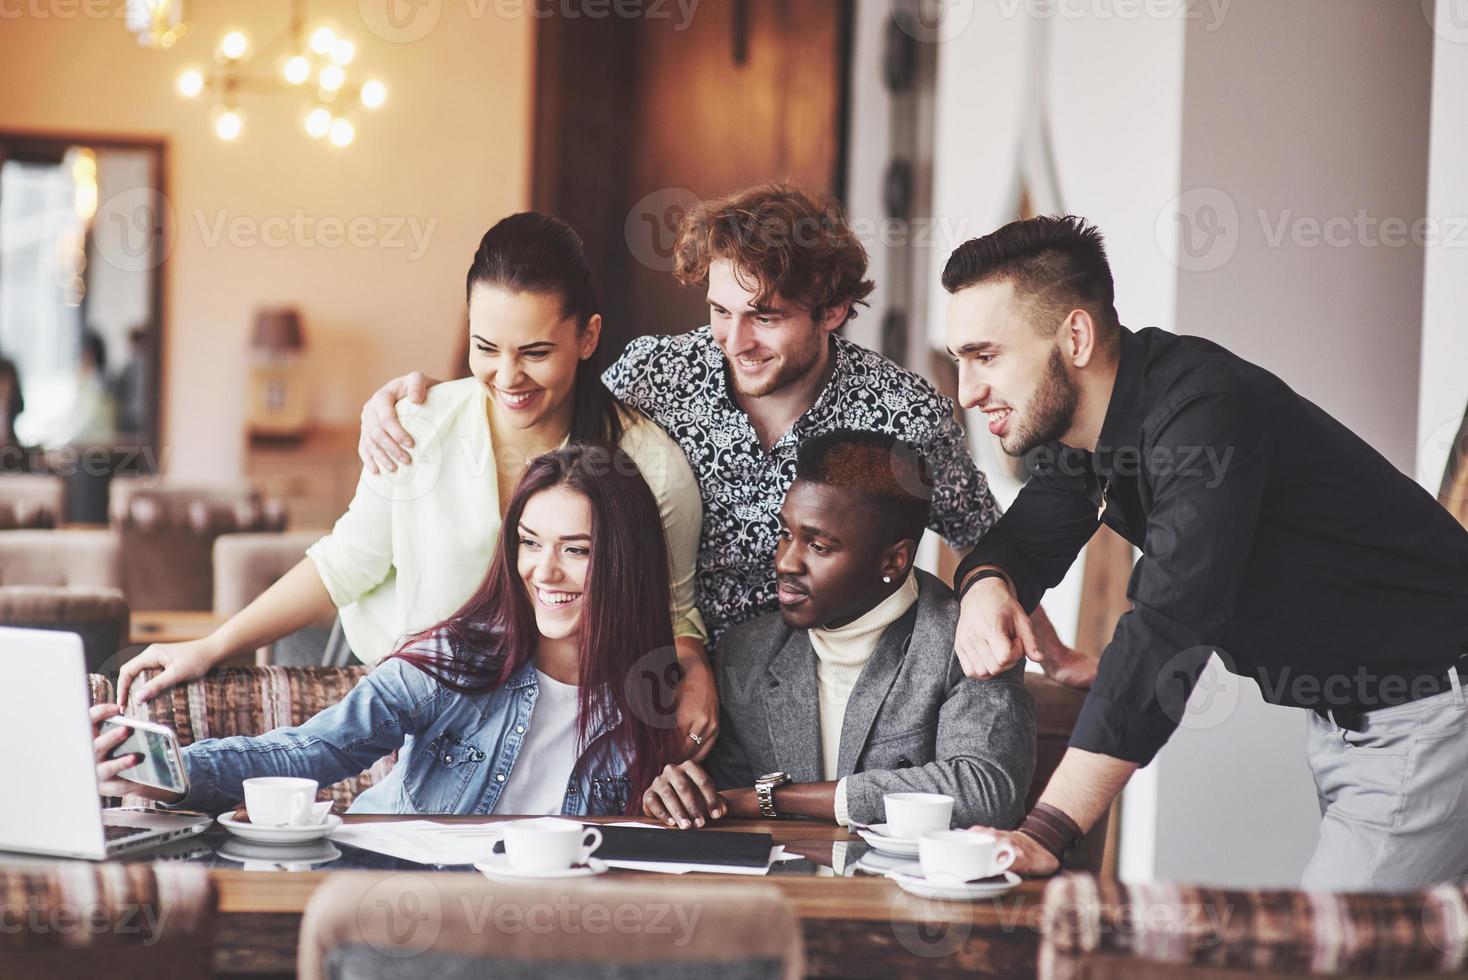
x=783, y=271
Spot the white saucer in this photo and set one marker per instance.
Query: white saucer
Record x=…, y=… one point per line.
x=497, y=868
x=876, y=835
x=280, y=835
x=951, y=889
x=279, y=857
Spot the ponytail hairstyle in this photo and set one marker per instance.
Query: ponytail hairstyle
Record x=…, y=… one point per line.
x=531, y=252
x=628, y=664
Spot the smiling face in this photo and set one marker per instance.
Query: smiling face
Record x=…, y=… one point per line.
x=829, y=564
x=525, y=350
x=770, y=346
x=553, y=557
x=1008, y=369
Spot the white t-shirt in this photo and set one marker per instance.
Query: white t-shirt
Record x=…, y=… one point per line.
x=537, y=783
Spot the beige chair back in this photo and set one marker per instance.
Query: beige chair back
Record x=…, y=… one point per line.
x=65, y=557
x=168, y=536
x=31, y=500
x=437, y=927
x=245, y=565
x=122, y=921
x=99, y=616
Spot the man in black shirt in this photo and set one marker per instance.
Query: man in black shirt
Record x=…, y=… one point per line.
x=1270, y=534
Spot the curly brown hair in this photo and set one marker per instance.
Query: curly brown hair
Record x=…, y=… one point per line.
x=782, y=241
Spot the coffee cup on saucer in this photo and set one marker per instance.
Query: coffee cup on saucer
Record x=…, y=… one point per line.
x=965, y=855
x=548, y=843
x=910, y=815
x=284, y=801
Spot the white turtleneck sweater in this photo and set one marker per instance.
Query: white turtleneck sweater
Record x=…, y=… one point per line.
x=841, y=653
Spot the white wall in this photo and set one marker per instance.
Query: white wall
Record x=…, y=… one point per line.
x=1444, y=394
x=1314, y=110
x=1114, y=104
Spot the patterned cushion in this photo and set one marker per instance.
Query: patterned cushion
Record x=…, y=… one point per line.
x=254, y=700
x=99, y=686
x=1255, y=931
x=113, y=908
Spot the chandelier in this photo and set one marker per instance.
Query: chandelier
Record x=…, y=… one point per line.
x=312, y=58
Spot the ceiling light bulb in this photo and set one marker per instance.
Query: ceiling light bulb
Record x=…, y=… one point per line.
x=322, y=40
x=343, y=51
x=318, y=122
x=297, y=69
x=342, y=132
x=374, y=94
x=234, y=45
x=228, y=125
x=332, y=77
x=191, y=83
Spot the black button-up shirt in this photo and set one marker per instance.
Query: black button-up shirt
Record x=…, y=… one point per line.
x=1270, y=534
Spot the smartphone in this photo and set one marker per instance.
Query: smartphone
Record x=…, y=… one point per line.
x=162, y=764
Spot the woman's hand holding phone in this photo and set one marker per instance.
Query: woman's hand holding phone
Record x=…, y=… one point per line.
x=109, y=783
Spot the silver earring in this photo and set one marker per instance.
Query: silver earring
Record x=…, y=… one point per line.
x=887, y=579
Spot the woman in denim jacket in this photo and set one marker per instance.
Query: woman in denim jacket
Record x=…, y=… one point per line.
x=574, y=613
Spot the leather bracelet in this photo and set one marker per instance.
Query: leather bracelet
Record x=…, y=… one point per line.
x=1052, y=829
x=983, y=572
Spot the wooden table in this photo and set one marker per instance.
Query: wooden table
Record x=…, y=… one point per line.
x=171, y=626
x=861, y=926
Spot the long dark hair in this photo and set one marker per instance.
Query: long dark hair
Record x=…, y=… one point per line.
x=532, y=252
x=626, y=636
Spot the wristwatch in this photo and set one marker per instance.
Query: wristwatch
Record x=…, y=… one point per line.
x=764, y=791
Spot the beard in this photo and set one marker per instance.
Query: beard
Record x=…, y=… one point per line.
x=793, y=366
x=1050, y=412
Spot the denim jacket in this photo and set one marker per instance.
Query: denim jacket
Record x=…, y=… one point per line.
x=456, y=750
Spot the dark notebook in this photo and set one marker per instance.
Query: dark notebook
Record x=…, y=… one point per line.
x=736, y=849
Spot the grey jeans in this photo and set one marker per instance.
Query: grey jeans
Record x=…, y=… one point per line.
x=1393, y=798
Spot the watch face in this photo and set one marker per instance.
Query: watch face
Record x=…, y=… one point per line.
x=771, y=777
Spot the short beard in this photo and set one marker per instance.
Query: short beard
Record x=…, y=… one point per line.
x=1051, y=410
x=795, y=367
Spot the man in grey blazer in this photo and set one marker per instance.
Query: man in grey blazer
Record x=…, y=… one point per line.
x=852, y=691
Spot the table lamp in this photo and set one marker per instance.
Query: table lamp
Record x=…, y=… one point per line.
x=278, y=396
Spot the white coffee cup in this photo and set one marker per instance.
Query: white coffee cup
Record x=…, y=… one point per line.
x=966, y=855
x=281, y=801
x=549, y=843
x=910, y=815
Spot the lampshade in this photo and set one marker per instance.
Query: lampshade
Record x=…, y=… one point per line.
x=278, y=329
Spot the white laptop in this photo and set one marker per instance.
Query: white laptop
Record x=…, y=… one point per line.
x=51, y=804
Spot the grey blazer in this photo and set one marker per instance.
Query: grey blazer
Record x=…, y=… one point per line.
x=914, y=722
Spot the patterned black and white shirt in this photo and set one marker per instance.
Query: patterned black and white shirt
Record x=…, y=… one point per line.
x=681, y=382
